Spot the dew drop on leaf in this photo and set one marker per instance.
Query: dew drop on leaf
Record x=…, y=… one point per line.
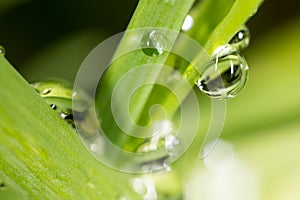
x=152, y=43
x=46, y=91
x=2, y=50
x=225, y=76
x=241, y=39
x=53, y=106
x=3, y=186
x=59, y=96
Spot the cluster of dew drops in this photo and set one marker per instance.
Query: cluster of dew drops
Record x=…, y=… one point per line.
x=225, y=75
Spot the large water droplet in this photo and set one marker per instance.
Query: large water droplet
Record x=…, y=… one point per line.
x=153, y=43
x=241, y=39
x=188, y=23
x=225, y=76
x=2, y=50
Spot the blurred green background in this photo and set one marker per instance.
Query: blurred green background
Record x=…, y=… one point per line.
x=259, y=154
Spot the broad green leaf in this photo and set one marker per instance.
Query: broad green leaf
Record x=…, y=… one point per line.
x=41, y=154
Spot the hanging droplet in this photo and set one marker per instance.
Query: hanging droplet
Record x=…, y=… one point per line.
x=2, y=50
x=225, y=76
x=241, y=39
x=152, y=43
x=188, y=23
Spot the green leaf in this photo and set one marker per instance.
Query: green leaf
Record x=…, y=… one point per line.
x=163, y=15
x=42, y=154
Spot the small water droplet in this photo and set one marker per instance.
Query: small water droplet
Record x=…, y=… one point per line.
x=46, y=91
x=59, y=96
x=167, y=167
x=2, y=50
x=64, y=115
x=139, y=186
x=170, y=142
x=53, y=106
x=241, y=39
x=145, y=187
x=188, y=23
x=153, y=43
x=225, y=76
x=3, y=186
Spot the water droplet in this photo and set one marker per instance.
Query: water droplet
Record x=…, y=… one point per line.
x=145, y=187
x=167, y=167
x=241, y=39
x=139, y=186
x=59, y=95
x=188, y=23
x=46, y=91
x=53, y=106
x=3, y=186
x=161, y=130
x=225, y=76
x=171, y=142
x=2, y=50
x=153, y=43
x=66, y=115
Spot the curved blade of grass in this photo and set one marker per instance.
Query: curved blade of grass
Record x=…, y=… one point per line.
x=40, y=152
x=168, y=14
